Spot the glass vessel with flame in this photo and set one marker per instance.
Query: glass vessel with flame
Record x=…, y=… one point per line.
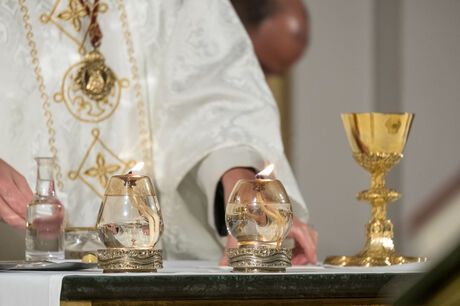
x=259, y=212
x=130, y=215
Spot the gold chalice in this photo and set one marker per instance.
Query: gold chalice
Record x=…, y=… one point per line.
x=377, y=141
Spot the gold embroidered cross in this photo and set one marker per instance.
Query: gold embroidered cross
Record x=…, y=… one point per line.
x=102, y=170
x=74, y=13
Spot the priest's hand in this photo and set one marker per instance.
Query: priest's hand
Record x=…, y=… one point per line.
x=229, y=179
x=305, y=242
x=231, y=243
x=15, y=194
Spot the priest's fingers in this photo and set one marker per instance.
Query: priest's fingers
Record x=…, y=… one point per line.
x=10, y=217
x=298, y=255
x=23, y=187
x=306, y=237
x=231, y=243
x=309, y=244
x=224, y=260
x=15, y=195
x=299, y=260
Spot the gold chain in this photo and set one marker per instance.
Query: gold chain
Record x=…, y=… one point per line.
x=42, y=90
x=147, y=142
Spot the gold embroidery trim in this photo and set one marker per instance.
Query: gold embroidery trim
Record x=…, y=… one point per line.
x=42, y=90
x=146, y=137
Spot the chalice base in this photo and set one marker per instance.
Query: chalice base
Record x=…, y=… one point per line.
x=378, y=250
x=363, y=260
x=260, y=259
x=125, y=260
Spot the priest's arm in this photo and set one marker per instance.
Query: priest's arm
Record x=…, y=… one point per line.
x=225, y=122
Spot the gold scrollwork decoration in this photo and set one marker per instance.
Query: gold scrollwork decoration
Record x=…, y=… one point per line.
x=146, y=136
x=46, y=105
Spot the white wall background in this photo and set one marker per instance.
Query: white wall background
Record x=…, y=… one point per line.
x=431, y=89
x=335, y=76
x=371, y=55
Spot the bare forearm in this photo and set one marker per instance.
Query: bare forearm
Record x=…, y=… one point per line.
x=232, y=176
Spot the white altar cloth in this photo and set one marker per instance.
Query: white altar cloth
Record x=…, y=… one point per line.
x=23, y=288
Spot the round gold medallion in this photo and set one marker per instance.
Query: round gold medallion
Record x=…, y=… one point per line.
x=90, y=90
x=94, y=77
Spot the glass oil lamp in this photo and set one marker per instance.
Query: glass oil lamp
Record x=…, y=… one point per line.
x=130, y=225
x=259, y=216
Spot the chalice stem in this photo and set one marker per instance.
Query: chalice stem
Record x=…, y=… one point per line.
x=378, y=180
x=379, y=211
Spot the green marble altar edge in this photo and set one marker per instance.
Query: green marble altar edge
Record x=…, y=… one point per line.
x=251, y=286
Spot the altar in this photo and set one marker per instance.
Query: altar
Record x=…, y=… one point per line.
x=205, y=283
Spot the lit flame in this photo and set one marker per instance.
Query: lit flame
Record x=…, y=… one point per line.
x=137, y=167
x=266, y=172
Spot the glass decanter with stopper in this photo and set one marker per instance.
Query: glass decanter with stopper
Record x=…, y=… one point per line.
x=45, y=217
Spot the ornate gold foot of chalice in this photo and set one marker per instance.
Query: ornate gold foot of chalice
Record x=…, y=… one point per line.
x=377, y=141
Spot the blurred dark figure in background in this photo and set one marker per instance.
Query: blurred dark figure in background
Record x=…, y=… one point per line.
x=279, y=30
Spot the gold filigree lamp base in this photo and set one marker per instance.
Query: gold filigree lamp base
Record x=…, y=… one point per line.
x=259, y=259
x=129, y=260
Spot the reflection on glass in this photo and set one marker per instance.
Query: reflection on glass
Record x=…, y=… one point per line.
x=130, y=215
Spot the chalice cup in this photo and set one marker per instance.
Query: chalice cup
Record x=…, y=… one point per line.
x=377, y=141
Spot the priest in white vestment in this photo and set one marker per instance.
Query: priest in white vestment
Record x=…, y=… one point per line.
x=189, y=99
